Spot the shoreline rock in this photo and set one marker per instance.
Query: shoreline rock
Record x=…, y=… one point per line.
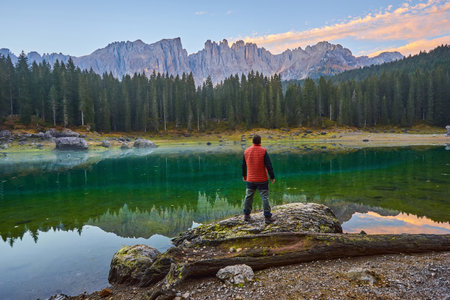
x=106, y=144
x=71, y=143
x=143, y=143
x=129, y=264
x=236, y=274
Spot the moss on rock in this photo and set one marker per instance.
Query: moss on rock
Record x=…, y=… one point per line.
x=130, y=263
x=293, y=217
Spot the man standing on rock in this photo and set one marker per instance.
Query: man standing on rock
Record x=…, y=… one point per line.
x=255, y=165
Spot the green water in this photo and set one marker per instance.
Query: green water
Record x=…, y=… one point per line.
x=63, y=217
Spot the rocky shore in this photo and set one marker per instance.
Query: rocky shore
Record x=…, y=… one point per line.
x=66, y=139
x=288, y=259
x=322, y=140
x=399, y=276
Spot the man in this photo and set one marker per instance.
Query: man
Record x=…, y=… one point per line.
x=255, y=165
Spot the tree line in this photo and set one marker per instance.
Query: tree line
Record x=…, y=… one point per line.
x=426, y=61
x=64, y=95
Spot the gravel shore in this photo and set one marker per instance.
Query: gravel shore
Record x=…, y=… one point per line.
x=418, y=276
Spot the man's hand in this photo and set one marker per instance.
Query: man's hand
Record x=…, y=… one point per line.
x=243, y=179
x=273, y=181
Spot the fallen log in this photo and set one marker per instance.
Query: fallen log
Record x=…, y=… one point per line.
x=281, y=248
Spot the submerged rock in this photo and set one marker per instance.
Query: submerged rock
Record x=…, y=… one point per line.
x=236, y=274
x=130, y=263
x=71, y=143
x=293, y=217
x=143, y=143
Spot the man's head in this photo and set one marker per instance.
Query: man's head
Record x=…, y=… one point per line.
x=256, y=139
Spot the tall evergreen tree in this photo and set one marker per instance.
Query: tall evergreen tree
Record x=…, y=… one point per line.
x=53, y=95
x=262, y=111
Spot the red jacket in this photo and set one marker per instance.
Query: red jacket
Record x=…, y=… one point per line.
x=256, y=164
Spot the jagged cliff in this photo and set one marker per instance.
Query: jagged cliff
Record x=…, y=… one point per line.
x=218, y=60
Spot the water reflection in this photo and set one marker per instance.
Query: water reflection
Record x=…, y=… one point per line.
x=164, y=192
x=165, y=221
x=62, y=262
x=374, y=223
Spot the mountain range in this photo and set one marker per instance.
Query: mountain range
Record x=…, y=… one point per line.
x=218, y=60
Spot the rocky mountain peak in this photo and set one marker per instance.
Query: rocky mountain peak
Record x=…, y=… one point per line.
x=238, y=44
x=216, y=59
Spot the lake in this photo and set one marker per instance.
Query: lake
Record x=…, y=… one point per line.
x=64, y=214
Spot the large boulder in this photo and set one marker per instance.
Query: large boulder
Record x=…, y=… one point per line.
x=130, y=263
x=292, y=217
x=448, y=130
x=71, y=143
x=143, y=143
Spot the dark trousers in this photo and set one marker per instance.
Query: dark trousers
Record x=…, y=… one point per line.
x=263, y=190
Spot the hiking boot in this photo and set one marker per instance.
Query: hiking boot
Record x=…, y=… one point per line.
x=247, y=218
x=268, y=220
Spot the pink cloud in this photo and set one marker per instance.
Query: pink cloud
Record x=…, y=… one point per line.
x=417, y=46
x=420, y=22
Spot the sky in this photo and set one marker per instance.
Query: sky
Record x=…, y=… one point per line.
x=366, y=27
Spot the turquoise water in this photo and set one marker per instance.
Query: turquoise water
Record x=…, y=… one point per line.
x=65, y=214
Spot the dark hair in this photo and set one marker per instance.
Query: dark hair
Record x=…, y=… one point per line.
x=256, y=139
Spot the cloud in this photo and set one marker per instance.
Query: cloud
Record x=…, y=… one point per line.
x=407, y=24
x=417, y=46
x=200, y=13
x=229, y=12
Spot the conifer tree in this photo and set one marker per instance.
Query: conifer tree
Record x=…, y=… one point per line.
x=410, y=107
x=53, y=95
x=23, y=84
x=262, y=111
